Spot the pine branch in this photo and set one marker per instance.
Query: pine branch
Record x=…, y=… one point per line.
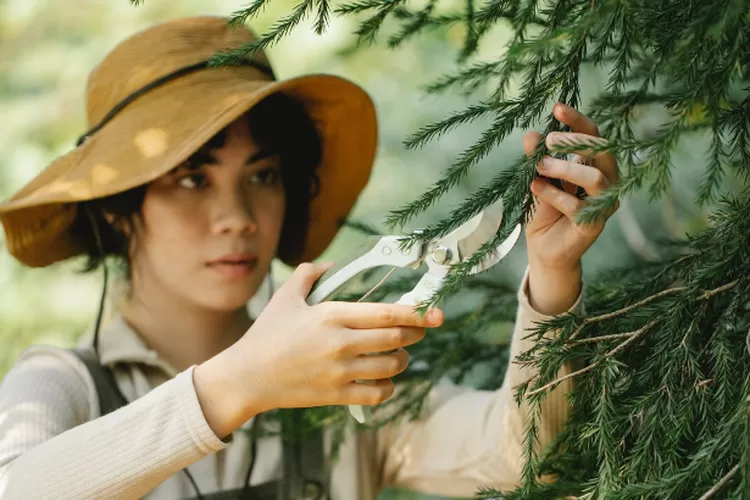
x=324, y=15
x=664, y=293
x=417, y=23
x=453, y=175
x=625, y=310
x=240, y=17
x=473, y=33
x=357, y=7
x=280, y=29
x=723, y=482
x=466, y=80
x=601, y=338
x=608, y=442
x=739, y=133
x=608, y=30
x=369, y=28
x=434, y=131
x=525, y=16
x=530, y=471
x=630, y=336
x=668, y=346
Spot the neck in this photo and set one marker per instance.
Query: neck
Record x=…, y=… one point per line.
x=183, y=334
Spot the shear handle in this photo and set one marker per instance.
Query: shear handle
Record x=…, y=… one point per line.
x=376, y=251
x=424, y=290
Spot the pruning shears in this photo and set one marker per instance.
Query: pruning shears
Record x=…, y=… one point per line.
x=439, y=255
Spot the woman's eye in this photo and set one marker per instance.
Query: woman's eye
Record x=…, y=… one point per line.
x=192, y=181
x=266, y=177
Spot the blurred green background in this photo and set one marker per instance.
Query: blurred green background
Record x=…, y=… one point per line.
x=47, y=49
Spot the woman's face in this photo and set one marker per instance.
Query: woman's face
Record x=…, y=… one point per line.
x=209, y=231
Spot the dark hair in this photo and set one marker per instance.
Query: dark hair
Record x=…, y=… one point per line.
x=279, y=124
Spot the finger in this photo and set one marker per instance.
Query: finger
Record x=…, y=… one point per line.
x=376, y=367
x=380, y=315
x=303, y=278
x=577, y=121
x=531, y=140
x=589, y=178
x=564, y=202
x=575, y=140
x=605, y=162
x=358, y=342
x=372, y=393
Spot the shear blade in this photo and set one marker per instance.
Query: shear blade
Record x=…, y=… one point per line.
x=499, y=252
x=480, y=229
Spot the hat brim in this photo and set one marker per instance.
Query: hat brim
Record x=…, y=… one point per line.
x=163, y=127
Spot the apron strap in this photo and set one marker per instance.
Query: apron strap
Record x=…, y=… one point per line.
x=265, y=491
x=110, y=397
x=305, y=472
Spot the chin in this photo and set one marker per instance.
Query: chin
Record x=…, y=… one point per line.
x=225, y=302
x=231, y=296
x=227, y=294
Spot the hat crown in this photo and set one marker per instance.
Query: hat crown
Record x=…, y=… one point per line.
x=158, y=52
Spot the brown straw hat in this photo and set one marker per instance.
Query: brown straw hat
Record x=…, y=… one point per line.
x=153, y=102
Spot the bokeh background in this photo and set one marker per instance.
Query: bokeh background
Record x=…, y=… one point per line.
x=47, y=49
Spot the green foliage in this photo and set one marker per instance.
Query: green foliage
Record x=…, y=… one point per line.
x=660, y=407
x=659, y=410
x=662, y=395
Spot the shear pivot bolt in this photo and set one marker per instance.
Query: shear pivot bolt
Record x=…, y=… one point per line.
x=441, y=255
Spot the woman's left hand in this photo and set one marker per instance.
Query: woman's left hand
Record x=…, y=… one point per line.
x=555, y=240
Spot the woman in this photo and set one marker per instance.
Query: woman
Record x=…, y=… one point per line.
x=196, y=179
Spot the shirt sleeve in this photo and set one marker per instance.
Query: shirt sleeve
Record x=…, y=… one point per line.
x=468, y=439
x=51, y=448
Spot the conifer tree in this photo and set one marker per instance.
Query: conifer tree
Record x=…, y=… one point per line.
x=661, y=407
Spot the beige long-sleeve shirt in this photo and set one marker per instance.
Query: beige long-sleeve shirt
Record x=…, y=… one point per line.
x=55, y=445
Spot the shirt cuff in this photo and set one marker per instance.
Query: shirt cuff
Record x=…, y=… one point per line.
x=193, y=418
x=532, y=314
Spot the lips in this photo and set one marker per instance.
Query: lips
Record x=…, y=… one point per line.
x=235, y=265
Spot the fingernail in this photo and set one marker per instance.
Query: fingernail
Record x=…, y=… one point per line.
x=546, y=163
x=434, y=316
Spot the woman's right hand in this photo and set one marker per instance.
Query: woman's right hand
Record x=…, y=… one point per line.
x=299, y=356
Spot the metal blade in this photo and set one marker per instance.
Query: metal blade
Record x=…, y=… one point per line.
x=499, y=253
x=476, y=232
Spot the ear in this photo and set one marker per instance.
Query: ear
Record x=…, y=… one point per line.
x=119, y=223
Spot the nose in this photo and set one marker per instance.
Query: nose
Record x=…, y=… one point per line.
x=233, y=213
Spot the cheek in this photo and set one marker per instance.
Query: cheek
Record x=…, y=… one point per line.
x=168, y=228
x=270, y=215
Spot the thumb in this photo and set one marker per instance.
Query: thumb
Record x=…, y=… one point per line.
x=531, y=140
x=303, y=278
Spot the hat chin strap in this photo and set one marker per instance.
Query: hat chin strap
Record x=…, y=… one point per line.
x=161, y=81
x=100, y=249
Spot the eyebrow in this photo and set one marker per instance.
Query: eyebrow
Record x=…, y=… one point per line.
x=211, y=160
x=260, y=155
